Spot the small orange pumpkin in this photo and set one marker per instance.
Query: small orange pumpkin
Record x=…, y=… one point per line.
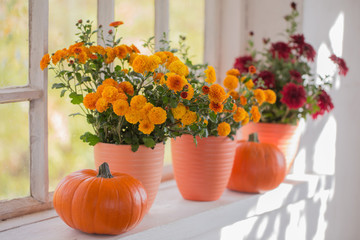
x=102, y=202
x=257, y=166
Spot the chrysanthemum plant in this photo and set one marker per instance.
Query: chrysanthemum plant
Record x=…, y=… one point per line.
x=126, y=96
x=213, y=110
x=284, y=67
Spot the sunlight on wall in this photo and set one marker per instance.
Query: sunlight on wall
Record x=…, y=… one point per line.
x=297, y=224
x=324, y=66
x=336, y=35
x=300, y=162
x=238, y=230
x=324, y=156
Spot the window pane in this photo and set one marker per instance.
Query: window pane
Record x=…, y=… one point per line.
x=187, y=18
x=14, y=43
x=14, y=149
x=67, y=153
x=139, y=19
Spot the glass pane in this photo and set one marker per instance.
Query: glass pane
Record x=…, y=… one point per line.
x=14, y=43
x=139, y=19
x=14, y=149
x=187, y=18
x=67, y=153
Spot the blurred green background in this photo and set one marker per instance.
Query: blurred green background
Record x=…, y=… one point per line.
x=67, y=153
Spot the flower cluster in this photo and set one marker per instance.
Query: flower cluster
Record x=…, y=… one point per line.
x=284, y=67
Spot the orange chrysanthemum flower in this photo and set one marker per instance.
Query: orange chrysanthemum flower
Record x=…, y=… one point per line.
x=233, y=72
x=163, y=57
x=127, y=87
x=240, y=114
x=102, y=105
x=157, y=115
x=109, y=82
x=252, y=69
x=110, y=55
x=138, y=102
x=176, y=82
x=210, y=75
x=58, y=56
x=243, y=100
x=157, y=77
x=234, y=94
x=179, y=111
x=144, y=112
x=90, y=100
x=270, y=96
x=132, y=116
x=44, y=63
x=249, y=84
x=82, y=57
x=260, y=96
x=110, y=93
x=179, y=68
x=134, y=48
x=120, y=107
x=146, y=126
x=116, y=24
x=216, y=107
x=224, y=129
x=121, y=51
x=140, y=63
x=205, y=89
x=189, y=118
x=190, y=91
x=153, y=63
x=217, y=93
x=231, y=82
x=246, y=120
x=255, y=114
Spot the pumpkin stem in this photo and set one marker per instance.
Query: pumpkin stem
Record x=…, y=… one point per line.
x=104, y=171
x=253, y=137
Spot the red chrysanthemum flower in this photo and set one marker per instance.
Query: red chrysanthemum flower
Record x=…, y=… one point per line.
x=296, y=76
x=309, y=52
x=243, y=63
x=184, y=95
x=325, y=104
x=298, y=39
x=268, y=78
x=280, y=50
x=294, y=96
x=343, y=69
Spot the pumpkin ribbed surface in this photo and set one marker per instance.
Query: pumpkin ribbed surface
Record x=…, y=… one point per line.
x=145, y=165
x=202, y=171
x=285, y=136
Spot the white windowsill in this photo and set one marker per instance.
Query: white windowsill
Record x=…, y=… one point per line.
x=172, y=217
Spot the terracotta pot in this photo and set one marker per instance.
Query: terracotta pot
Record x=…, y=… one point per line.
x=145, y=165
x=202, y=171
x=285, y=136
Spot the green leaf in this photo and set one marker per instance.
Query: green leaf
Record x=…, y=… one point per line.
x=75, y=114
x=78, y=77
x=86, y=79
x=90, y=118
x=213, y=116
x=90, y=138
x=58, y=85
x=134, y=147
x=117, y=68
x=62, y=93
x=149, y=142
x=76, y=98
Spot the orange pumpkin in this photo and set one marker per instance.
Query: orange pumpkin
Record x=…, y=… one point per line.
x=257, y=166
x=100, y=202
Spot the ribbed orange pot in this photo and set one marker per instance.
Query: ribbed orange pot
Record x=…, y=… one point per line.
x=145, y=164
x=285, y=136
x=202, y=171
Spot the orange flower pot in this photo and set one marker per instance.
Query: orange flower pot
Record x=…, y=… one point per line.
x=202, y=171
x=145, y=165
x=285, y=136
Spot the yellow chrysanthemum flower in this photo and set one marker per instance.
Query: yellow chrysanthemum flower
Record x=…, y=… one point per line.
x=179, y=111
x=224, y=129
x=157, y=115
x=127, y=87
x=242, y=79
x=153, y=63
x=44, y=63
x=190, y=91
x=132, y=116
x=175, y=82
x=102, y=105
x=246, y=120
x=132, y=58
x=231, y=82
x=255, y=114
x=189, y=118
x=162, y=57
x=110, y=94
x=233, y=72
x=270, y=96
x=140, y=63
x=90, y=100
x=120, y=107
x=240, y=114
x=146, y=127
x=216, y=107
x=179, y=68
x=138, y=102
x=144, y=112
x=217, y=93
x=210, y=75
x=249, y=84
x=110, y=55
x=260, y=96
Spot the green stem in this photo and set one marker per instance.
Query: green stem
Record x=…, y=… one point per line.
x=104, y=171
x=253, y=137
